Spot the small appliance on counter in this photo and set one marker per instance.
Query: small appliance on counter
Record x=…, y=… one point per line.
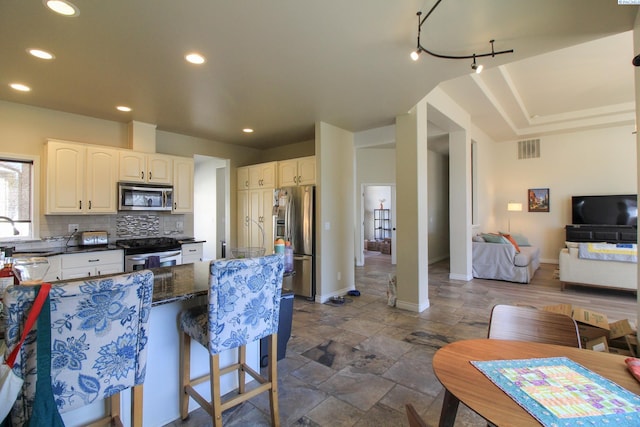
x=93, y=238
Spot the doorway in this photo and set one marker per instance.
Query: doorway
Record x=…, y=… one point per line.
x=211, y=192
x=378, y=222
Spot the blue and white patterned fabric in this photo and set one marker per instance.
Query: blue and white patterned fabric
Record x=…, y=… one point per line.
x=244, y=303
x=99, y=333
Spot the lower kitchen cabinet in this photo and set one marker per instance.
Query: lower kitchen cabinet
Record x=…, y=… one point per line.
x=87, y=264
x=191, y=252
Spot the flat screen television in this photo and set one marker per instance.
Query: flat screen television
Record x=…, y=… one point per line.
x=619, y=209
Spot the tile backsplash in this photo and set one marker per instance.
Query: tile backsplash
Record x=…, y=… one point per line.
x=120, y=226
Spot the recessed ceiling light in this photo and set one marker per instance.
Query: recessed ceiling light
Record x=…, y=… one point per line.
x=63, y=7
x=20, y=87
x=195, y=58
x=123, y=108
x=42, y=54
x=247, y=130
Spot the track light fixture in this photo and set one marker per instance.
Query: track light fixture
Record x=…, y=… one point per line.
x=475, y=66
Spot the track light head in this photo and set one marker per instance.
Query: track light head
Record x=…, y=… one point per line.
x=636, y=61
x=416, y=54
x=476, y=67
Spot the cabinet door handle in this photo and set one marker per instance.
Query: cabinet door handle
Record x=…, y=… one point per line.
x=94, y=260
x=89, y=204
x=142, y=175
x=175, y=205
x=299, y=179
x=150, y=176
x=80, y=204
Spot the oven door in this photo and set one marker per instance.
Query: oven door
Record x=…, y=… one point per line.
x=142, y=261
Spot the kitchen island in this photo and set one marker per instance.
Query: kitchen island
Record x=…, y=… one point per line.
x=175, y=289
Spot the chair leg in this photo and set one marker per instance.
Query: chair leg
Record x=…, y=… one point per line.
x=216, y=398
x=185, y=373
x=242, y=360
x=273, y=379
x=136, y=406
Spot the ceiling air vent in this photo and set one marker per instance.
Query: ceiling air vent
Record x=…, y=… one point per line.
x=529, y=149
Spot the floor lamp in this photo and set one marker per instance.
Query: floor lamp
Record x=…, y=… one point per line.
x=513, y=207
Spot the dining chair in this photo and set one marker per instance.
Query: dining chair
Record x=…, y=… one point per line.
x=510, y=322
x=99, y=334
x=415, y=420
x=243, y=307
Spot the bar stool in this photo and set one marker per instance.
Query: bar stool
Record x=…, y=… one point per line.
x=244, y=306
x=99, y=333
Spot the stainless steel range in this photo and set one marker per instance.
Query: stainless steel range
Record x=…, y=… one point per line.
x=150, y=252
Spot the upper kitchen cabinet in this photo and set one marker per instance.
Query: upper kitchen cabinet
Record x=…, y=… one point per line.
x=81, y=178
x=182, y=185
x=146, y=167
x=243, y=178
x=301, y=171
x=263, y=175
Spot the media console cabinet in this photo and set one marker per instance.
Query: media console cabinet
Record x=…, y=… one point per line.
x=601, y=233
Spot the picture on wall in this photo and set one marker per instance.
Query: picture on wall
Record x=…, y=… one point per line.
x=538, y=200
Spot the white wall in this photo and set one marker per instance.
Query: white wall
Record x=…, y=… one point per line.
x=438, y=202
x=591, y=162
x=335, y=272
x=205, y=203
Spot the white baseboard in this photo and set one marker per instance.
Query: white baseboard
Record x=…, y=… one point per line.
x=410, y=306
x=455, y=276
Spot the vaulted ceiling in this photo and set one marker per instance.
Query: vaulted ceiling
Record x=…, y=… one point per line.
x=279, y=66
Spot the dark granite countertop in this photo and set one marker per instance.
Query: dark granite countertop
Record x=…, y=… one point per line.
x=180, y=282
x=63, y=250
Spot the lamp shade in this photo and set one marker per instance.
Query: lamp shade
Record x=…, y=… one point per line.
x=514, y=207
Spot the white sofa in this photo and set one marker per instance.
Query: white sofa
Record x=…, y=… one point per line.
x=607, y=274
x=500, y=261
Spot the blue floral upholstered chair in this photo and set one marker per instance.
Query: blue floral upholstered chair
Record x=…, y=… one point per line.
x=99, y=333
x=244, y=306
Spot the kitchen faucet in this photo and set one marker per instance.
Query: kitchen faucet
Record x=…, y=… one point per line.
x=9, y=220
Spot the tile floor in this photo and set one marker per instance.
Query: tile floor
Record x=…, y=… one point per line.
x=358, y=363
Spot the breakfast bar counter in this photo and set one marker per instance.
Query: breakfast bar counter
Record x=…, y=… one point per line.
x=180, y=282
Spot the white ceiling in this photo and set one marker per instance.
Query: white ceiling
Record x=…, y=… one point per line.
x=281, y=65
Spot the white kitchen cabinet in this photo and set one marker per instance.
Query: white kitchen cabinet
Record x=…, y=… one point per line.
x=256, y=184
x=81, y=178
x=88, y=264
x=243, y=178
x=300, y=171
x=53, y=272
x=263, y=175
x=182, y=185
x=191, y=252
x=147, y=168
x=261, y=211
x=255, y=219
x=242, y=218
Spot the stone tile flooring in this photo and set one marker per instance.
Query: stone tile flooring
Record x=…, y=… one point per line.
x=358, y=363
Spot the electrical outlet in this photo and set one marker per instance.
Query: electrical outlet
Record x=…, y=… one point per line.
x=179, y=225
x=339, y=276
x=72, y=228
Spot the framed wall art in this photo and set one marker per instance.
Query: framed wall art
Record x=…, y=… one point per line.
x=538, y=199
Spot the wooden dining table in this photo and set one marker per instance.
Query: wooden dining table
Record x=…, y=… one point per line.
x=465, y=383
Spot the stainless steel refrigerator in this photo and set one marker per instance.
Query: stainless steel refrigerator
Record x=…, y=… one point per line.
x=294, y=220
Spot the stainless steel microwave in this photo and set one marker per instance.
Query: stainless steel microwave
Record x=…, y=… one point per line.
x=142, y=197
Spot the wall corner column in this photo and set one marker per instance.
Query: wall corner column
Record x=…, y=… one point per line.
x=411, y=210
